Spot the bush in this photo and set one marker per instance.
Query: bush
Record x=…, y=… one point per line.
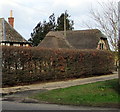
x=27, y=65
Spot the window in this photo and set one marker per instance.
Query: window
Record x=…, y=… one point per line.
x=101, y=46
x=2, y=43
x=11, y=44
x=7, y=44
x=21, y=44
x=16, y=44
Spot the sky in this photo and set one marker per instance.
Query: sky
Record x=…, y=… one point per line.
x=28, y=13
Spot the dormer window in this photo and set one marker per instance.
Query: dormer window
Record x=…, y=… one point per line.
x=101, y=46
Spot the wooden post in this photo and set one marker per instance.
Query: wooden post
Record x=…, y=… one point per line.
x=65, y=30
x=65, y=24
x=119, y=40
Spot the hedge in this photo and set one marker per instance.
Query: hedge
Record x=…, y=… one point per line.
x=21, y=65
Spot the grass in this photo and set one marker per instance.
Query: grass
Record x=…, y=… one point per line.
x=106, y=93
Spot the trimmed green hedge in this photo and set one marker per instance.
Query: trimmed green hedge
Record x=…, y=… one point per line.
x=28, y=65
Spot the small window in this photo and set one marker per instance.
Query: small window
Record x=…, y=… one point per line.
x=21, y=44
x=11, y=44
x=101, y=46
x=2, y=43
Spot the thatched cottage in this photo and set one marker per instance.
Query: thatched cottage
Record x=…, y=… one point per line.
x=79, y=39
x=9, y=36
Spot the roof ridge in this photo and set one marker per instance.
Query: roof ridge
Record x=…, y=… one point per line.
x=87, y=30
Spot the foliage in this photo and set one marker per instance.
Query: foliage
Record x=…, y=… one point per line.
x=28, y=65
x=40, y=31
x=60, y=22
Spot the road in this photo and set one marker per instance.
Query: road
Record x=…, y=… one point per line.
x=7, y=105
x=17, y=100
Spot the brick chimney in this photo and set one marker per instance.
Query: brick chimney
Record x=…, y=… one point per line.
x=11, y=19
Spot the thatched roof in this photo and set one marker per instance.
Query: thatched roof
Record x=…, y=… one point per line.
x=9, y=34
x=79, y=39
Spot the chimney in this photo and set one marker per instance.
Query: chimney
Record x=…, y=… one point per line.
x=11, y=19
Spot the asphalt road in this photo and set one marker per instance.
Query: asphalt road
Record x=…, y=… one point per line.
x=15, y=101
x=6, y=105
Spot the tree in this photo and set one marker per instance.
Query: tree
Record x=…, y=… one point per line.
x=36, y=36
x=40, y=31
x=52, y=23
x=60, y=22
x=106, y=20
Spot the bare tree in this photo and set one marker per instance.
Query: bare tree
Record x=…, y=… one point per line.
x=106, y=19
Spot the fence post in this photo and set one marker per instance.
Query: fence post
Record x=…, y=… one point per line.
x=119, y=40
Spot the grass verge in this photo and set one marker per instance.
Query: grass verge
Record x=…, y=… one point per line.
x=106, y=94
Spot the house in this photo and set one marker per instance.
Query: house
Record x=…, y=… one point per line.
x=78, y=39
x=9, y=36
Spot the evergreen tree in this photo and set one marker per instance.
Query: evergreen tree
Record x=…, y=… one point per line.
x=60, y=22
x=40, y=31
x=37, y=34
x=52, y=23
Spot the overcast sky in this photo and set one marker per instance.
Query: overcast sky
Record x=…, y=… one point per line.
x=28, y=13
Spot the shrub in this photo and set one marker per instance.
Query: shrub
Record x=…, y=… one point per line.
x=27, y=65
